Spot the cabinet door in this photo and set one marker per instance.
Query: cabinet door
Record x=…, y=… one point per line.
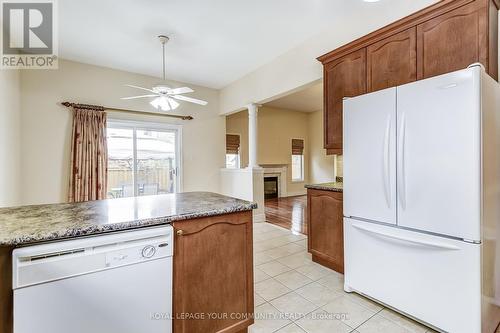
x=213, y=274
x=6, y=295
x=325, y=228
x=392, y=61
x=453, y=41
x=343, y=77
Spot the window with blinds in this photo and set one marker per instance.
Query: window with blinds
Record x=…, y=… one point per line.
x=297, y=160
x=232, y=151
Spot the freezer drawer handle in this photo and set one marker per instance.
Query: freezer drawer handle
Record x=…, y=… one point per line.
x=407, y=239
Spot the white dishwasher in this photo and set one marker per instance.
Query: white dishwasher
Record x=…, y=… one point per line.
x=114, y=283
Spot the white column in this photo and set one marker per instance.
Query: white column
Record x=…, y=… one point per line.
x=252, y=135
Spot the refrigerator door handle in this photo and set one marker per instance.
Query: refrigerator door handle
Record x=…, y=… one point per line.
x=387, y=147
x=401, y=179
x=407, y=239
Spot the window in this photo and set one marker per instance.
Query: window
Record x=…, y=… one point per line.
x=232, y=151
x=297, y=160
x=233, y=161
x=143, y=159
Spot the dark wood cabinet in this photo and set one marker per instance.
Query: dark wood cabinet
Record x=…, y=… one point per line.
x=213, y=274
x=325, y=228
x=453, y=40
x=447, y=36
x=392, y=61
x=6, y=294
x=344, y=77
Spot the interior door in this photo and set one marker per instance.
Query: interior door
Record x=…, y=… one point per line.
x=439, y=154
x=370, y=156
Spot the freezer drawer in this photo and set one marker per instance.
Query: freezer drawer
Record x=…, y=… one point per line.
x=433, y=279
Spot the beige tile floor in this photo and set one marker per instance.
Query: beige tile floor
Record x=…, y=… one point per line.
x=294, y=294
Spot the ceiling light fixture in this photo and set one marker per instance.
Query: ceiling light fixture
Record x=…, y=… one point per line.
x=166, y=96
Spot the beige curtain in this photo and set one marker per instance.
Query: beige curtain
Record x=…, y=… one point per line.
x=89, y=155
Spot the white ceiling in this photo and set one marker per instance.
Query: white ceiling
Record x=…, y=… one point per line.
x=306, y=100
x=213, y=42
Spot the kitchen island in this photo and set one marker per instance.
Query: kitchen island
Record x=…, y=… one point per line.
x=213, y=240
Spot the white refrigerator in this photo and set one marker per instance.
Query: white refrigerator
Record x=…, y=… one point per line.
x=422, y=199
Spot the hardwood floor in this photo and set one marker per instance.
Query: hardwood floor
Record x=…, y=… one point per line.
x=290, y=213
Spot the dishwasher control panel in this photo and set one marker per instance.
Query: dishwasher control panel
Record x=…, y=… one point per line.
x=58, y=260
x=148, y=250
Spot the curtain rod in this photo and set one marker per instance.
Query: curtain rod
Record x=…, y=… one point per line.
x=103, y=108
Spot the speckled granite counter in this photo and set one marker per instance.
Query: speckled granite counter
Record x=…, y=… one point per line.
x=30, y=224
x=334, y=186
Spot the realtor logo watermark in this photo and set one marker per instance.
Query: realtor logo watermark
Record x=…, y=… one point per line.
x=29, y=34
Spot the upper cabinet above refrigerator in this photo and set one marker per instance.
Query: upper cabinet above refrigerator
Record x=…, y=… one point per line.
x=370, y=156
x=444, y=37
x=439, y=146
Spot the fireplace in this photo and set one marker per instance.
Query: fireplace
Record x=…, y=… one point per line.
x=271, y=187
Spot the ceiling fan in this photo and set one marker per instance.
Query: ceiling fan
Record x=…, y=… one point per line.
x=165, y=97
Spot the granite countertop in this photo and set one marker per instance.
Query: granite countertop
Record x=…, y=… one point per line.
x=31, y=224
x=333, y=186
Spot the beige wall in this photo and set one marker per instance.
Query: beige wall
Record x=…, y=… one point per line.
x=10, y=120
x=321, y=166
x=277, y=127
x=46, y=126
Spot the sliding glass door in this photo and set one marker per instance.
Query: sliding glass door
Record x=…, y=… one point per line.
x=143, y=159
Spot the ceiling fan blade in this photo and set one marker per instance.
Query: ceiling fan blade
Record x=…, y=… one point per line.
x=189, y=99
x=142, y=96
x=183, y=90
x=137, y=87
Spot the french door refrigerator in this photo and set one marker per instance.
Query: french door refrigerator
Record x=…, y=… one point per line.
x=422, y=199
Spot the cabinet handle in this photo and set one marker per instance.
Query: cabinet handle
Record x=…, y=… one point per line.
x=180, y=232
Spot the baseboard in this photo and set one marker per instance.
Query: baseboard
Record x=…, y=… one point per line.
x=261, y=217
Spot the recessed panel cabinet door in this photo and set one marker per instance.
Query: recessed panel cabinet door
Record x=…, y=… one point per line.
x=392, y=61
x=325, y=228
x=213, y=274
x=343, y=77
x=453, y=40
